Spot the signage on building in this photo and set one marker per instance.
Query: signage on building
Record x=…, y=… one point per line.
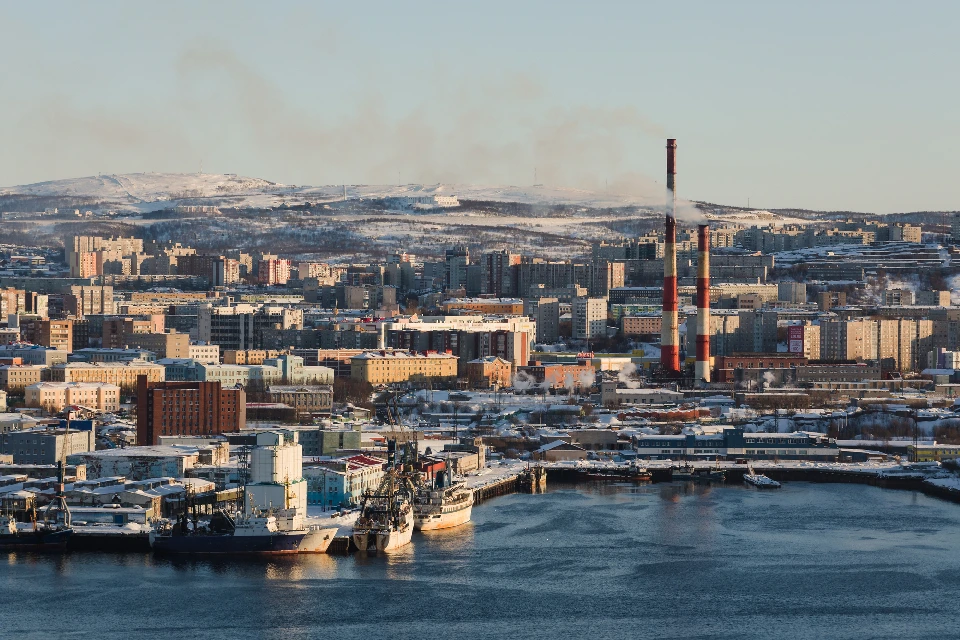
x=795, y=339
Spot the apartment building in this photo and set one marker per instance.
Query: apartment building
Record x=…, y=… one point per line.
x=56, y=396
x=388, y=366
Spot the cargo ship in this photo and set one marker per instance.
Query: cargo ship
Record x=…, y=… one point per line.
x=445, y=505
x=259, y=533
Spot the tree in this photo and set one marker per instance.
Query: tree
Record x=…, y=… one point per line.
x=357, y=392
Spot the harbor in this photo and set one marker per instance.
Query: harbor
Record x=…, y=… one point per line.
x=548, y=564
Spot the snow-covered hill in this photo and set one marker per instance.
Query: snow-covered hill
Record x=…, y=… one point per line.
x=134, y=188
x=150, y=191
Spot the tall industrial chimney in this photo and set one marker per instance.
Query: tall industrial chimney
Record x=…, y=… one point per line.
x=670, y=331
x=702, y=366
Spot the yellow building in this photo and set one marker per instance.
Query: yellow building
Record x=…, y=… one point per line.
x=385, y=367
x=933, y=452
x=485, y=306
x=54, y=396
x=17, y=377
x=249, y=356
x=121, y=374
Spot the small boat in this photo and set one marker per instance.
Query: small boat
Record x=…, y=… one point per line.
x=684, y=473
x=759, y=480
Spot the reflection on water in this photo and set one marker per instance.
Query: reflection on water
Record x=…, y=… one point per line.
x=677, y=560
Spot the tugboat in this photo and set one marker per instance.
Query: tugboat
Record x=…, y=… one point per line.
x=445, y=505
x=386, y=515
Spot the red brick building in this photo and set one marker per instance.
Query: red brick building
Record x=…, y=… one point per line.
x=188, y=409
x=560, y=375
x=725, y=365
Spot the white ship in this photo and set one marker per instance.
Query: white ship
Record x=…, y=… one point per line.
x=759, y=480
x=445, y=505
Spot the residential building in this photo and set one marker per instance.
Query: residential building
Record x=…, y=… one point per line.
x=16, y=378
x=496, y=273
x=33, y=354
x=490, y=371
x=589, y=317
x=848, y=340
x=388, y=366
x=207, y=353
x=642, y=325
x=456, y=261
x=122, y=374
x=55, y=396
x=273, y=272
x=45, y=446
x=546, y=313
x=485, y=306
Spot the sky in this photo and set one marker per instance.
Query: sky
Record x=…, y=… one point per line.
x=836, y=105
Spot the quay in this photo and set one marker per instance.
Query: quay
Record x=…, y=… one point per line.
x=883, y=475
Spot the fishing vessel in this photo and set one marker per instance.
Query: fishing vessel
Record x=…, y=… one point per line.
x=386, y=518
x=37, y=536
x=759, y=480
x=283, y=531
x=52, y=533
x=444, y=505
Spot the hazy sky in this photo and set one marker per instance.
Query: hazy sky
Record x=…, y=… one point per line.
x=827, y=105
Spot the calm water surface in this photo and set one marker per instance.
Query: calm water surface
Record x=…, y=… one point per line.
x=660, y=561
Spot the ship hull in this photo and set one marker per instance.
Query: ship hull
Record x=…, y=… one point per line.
x=384, y=541
x=449, y=520
x=292, y=543
x=36, y=541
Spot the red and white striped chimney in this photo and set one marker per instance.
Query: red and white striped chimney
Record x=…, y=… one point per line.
x=702, y=366
x=670, y=331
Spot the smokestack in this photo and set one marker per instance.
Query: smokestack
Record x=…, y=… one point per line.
x=670, y=331
x=702, y=366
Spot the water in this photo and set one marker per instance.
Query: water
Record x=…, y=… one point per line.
x=661, y=561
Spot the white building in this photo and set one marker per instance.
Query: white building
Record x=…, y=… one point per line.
x=208, y=353
x=276, y=472
x=589, y=318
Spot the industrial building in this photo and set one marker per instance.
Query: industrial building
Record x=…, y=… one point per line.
x=732, y=443
x=187, y=408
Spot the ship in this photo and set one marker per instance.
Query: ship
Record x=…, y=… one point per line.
x=386, y=518
x=385, y=523
x=272, y=532
x=759, y=480
x=40, y=537
x=445, y=505
x=52, y=533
